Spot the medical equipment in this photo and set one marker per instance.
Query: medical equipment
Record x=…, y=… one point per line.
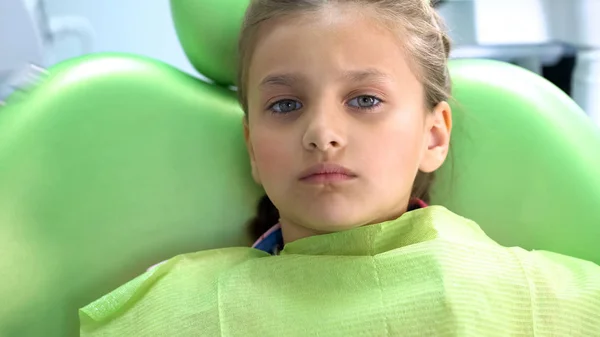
x=532, y=33
x=27, y=34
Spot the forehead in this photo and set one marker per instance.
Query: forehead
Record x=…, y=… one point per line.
x=335, y=39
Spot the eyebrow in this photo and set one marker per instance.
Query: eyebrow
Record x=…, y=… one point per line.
x=290, y=79
x=365, y=74
x=286, y=80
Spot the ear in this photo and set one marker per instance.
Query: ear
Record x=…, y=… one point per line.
x=438, y=127
x=250, y=149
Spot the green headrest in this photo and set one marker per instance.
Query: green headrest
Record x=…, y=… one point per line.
x=523, y=160
x=208, y=31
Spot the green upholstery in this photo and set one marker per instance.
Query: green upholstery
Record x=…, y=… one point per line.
x=116, y=162
x=213, y=54
x=524, y=161
x=111, y=165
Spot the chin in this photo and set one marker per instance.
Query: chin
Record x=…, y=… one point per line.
x=332, y=212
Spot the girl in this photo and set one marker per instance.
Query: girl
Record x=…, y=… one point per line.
x=346, y=121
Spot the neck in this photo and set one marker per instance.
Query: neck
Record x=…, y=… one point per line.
x=293, y=231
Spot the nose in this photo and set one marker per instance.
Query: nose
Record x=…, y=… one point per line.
x=324, y=132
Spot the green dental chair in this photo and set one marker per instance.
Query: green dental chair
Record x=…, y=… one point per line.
x=113, y=163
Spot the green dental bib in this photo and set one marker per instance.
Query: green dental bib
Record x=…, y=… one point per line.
x=430, y=272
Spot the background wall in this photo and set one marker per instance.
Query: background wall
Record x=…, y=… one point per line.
x=135, y=26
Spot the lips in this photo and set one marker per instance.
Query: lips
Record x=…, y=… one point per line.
x=326, y=173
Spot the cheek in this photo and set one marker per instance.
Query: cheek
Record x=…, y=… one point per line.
x=273, y=153
x=395, y=149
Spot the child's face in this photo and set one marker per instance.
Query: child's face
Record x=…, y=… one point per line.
x=335, y=88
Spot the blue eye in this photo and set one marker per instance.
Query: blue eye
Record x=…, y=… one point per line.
x=285, y=106
x=364, y=102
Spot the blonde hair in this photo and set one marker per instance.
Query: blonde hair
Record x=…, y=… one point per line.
x=424, y=40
